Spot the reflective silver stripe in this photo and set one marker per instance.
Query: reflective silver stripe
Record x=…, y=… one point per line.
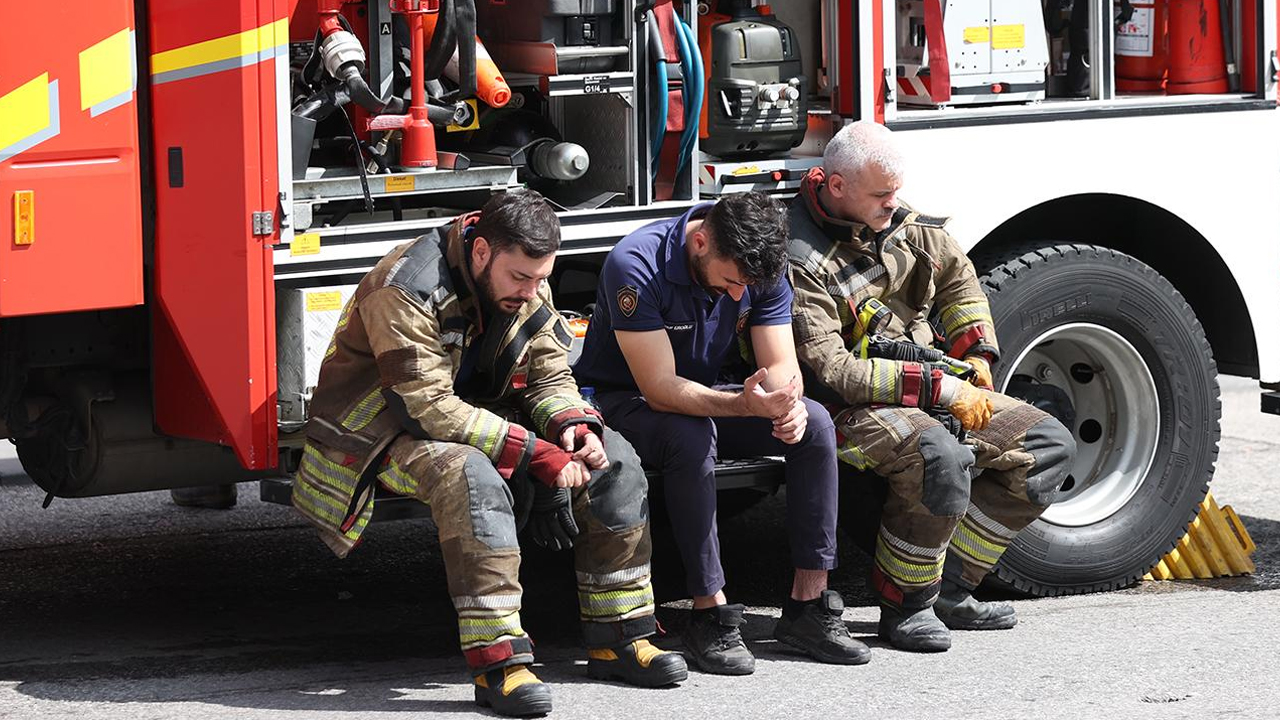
x=910, y=549
x=614, y=578
x=395, y=268
x=986, y=523
x=894, y=418
x=857, y=282
x=487, y=602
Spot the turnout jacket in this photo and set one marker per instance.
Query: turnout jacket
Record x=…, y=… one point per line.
x=391, y=369
x=913, y=267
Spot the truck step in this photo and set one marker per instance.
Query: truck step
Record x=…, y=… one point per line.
x=763, y=473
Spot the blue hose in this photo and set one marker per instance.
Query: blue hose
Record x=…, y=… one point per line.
x=660, y=117
x=693, y=79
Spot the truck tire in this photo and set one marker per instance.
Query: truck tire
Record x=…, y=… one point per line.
x=1110, y=347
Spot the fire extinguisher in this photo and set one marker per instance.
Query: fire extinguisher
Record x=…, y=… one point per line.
x=1142, y=48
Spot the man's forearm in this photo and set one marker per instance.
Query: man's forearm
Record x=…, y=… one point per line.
x=685, y=397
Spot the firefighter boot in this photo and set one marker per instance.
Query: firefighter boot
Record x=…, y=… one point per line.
x=640, y=663
x=816, y=628
x=914, y=630
x=959, y=610
x=715, y=644
x=513, y=691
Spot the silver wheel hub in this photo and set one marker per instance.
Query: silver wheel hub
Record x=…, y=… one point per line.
x=1117, y=424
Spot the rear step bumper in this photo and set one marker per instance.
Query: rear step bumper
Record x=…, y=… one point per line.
x=764, y=474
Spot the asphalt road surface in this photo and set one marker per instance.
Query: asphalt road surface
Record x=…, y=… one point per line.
x=131, y=607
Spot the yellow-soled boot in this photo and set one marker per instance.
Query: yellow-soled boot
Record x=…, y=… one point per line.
x=640, y=663
x=513, y=691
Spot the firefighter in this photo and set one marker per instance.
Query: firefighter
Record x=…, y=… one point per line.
x=675, y=300
x=957, y=496
x=447, y=380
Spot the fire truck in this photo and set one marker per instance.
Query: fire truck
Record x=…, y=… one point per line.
x=192, y=189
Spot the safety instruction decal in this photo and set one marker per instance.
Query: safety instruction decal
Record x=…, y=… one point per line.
x=402, y=183
x=322, y=301
x=305, y=244
x=974, y=35
x=1008, y=37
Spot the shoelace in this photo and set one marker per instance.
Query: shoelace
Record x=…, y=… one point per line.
x=728, y=640
x=834, y=624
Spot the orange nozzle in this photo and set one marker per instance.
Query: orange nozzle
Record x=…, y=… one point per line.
x=490, y=86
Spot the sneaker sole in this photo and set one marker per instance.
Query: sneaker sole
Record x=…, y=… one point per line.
x=535, y=708
x=794, y=643
x=670, y=677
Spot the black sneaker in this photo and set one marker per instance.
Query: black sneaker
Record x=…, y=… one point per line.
x=958, y=609
x=817, y=629
x=714, y=643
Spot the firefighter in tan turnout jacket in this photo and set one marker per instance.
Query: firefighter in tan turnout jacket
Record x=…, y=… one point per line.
x=448, y=380
x=967, y=468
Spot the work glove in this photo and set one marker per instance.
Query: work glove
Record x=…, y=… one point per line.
x=981, y=371
x=971, y=407
x=551, y=524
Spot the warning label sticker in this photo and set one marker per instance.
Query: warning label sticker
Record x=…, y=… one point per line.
x=402, y=183
x=1008, y=37
x=322, y=301
x=974, y=35
x=1133, y=39
x=305, y=244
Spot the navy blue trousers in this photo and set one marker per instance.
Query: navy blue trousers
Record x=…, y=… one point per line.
x=684, y=449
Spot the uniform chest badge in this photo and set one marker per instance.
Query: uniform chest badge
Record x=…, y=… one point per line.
x=628, y=298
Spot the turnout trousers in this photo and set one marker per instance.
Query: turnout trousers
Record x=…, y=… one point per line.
x=684, y=449
x=472, y=507
x=953, y=507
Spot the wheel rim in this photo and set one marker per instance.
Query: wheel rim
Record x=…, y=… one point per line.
x=1117, y=426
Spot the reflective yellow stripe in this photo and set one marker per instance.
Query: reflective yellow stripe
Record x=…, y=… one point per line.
x=475, y=631
x=979, y=549
x=212, y=55
x=614, y=603
x=484, y=432
x=398, y=480
x=364, y=412
x=28, y=115
x=314, y=464
x=904, y=573
x=549, y=407
x=956, y=317
x=853, y=455
x=107, y=73
x=315, y=502
x=884, y=381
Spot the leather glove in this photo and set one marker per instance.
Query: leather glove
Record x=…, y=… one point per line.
x=551, y=523
x=981, y=371
x=971, y=406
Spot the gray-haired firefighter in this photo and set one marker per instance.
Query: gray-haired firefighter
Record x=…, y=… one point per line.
x=868, y=272
x=448, y=380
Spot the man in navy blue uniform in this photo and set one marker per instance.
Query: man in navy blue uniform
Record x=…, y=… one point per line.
x=677, y=299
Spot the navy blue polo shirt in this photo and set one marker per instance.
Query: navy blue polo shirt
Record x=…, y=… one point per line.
x=646, y=284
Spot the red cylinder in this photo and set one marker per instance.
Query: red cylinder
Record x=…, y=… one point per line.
x=1196, y=63
x=1142, y=48
x=1249, y=47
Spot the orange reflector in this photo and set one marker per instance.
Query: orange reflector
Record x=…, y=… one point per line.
x=24, y=217
x=997, y=88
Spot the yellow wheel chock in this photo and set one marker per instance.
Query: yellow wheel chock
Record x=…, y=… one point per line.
x=1216, y=545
